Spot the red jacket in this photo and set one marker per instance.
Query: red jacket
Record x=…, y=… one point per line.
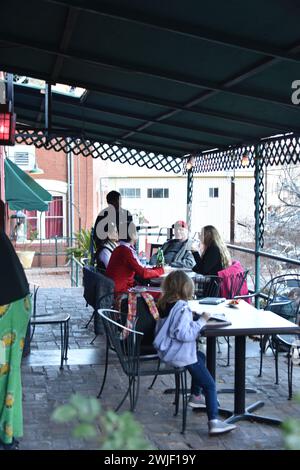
x=122, y=268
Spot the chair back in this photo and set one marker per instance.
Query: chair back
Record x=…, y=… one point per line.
x=154, y=247
x=127, y=350
x=144, y=323
x=234, y=281
x=98, y=292
x=207, y=286
x=283, y=296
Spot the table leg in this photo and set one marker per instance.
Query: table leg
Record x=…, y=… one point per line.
x=211, y=355
x=240, y=412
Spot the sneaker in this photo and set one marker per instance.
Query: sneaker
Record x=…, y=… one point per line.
x=197, y=401
x=215, y=426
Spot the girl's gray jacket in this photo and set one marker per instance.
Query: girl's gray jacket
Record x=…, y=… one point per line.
x=175, y=336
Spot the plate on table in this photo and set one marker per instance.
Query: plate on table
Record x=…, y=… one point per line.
x=233, y=303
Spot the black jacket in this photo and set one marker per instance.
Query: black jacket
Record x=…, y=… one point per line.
x=210, y=262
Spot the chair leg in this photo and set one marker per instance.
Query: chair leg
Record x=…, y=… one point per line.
x=61, y=346
x=125, y=396
x=177, y=392
x=228, y=350
x=90, y=320
x=155, y=377
x=276, y=365
x=135, y=392
x=290, y=375
x=92, y=342
x=261, y=356
x=66, y=340
x=105, y=370
x=218, y=343
x=184, y=399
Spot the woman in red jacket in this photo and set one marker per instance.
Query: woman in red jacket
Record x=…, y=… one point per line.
x=124, y=264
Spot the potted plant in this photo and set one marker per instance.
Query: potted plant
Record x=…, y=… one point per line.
x=82, y=248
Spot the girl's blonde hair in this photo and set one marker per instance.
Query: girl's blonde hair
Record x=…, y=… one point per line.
x=176, y=286
x=211, y=235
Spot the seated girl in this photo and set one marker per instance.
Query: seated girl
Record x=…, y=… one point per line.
x=177, y=324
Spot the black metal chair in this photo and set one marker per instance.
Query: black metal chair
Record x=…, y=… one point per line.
x=62, y=319
x=234, y=284
x=98, y=293
x=144, y=323
x=128, y=352
x=282, y=296
x=206, y=286
x=154, y=247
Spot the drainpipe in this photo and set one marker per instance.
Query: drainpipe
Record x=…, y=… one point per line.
x=70, y=185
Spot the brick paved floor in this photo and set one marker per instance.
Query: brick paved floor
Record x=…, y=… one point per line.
x=45, y=386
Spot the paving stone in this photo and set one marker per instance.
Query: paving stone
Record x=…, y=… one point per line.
x=45, y=387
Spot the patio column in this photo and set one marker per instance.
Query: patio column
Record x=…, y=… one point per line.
x=189, y=192
x=259, y=214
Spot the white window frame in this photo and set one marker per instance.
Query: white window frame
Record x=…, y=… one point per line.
x=136, y=190
x=164, y=190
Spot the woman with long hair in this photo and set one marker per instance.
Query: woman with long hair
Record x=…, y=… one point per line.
x=214, y=255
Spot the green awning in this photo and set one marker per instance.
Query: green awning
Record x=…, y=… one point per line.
x=22, y=192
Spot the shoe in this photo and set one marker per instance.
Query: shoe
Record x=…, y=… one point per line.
x=216, y=426
x=197, y=401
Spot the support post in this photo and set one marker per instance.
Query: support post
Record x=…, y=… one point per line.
x=259, y=215
x=70, y=195
x=232, y=210
x=189, y=199
x=48, y=109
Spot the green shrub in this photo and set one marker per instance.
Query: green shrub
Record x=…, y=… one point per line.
x=82, y=245
x=118, y=432
x=291, y=431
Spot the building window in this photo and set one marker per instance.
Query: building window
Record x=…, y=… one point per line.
x=22, y=159
x=213, y=192
x=158, y=192
x=54, y=218
x=32, y=225
x=130, y=193
x=46, y=224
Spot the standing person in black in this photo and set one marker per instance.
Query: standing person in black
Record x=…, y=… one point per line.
x=112, y=215
x=214, y=255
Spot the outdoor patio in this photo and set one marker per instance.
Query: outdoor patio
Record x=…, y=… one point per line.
x=45, y=387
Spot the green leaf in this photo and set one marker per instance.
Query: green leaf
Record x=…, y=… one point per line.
x=85, y=430
x=64, y=414
x=87, y=408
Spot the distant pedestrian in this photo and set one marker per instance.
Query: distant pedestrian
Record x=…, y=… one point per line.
x=15, y=309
